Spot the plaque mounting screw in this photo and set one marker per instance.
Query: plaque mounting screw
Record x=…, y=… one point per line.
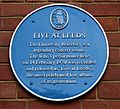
x=33, y=21
x=31, y=83
x=85, y=83
x=84, y=20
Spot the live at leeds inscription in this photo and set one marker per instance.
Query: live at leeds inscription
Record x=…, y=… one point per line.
x=59, y=52
x=63, y=59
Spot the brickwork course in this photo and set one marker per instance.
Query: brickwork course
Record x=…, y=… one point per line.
x=105, y=95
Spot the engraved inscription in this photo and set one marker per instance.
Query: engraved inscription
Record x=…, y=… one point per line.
x=64, y=61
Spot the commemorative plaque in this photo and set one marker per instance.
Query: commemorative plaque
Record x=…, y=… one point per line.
x=59, y=52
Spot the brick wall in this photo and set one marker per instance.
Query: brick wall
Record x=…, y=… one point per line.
x=106, y=94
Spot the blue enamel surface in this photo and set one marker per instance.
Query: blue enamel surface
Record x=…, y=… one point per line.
x=38, y=22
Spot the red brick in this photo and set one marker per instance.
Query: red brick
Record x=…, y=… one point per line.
x=119, y=23
x=102, y=9
x=39, y=5
x=109, y=90
x=82, y=0
x=90, y=95
x=13, y=0
x=5, y=38
x=104, y=0
x=22, y=93
x=15, y=105
x=15, y=9
x=4, y=54
x=112, y=73
x=75, y=4
x=114, y=57
x=58, y=0
x=35, y=0
x=101, y=104
x=1, y=105
x=9, y=23
x=6, y=73
x=113, y=39
x=109, y=24
x=7, y=90
x=54, y=105
x=0, y=9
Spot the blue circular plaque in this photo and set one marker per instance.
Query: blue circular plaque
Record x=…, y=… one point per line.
x=59, y=52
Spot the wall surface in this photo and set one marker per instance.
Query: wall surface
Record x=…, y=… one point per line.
x=105, y=95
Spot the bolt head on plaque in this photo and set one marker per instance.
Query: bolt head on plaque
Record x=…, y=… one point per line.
x=59, y=52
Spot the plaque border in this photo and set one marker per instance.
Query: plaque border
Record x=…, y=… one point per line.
x=72, y=6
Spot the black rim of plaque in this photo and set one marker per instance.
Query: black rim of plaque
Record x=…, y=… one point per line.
x=72, y=6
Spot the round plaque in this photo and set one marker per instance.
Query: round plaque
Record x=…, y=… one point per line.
x=59, y=52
